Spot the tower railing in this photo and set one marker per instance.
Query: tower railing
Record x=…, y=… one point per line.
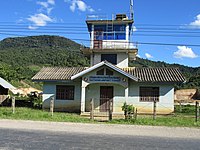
x=113, y=44
x=97, y=17
x=114, y=16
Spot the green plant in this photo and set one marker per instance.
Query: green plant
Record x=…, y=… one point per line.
x=128, y=110
x=37, y=103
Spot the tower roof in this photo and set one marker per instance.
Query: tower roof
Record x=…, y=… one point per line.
x=117, y=19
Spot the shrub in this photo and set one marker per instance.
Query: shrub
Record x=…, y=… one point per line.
x=128, y=110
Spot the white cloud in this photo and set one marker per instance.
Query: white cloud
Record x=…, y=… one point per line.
x=138, y=56
x=40, y=19
x=148, y=56
x=52, y=2
x=134, y=28
x=73, y=7
x=80, y=5
x=196, y=23
x=49, y=10
x=32, y=27
x=43, y=4
x=47, y=6
x=184, y=51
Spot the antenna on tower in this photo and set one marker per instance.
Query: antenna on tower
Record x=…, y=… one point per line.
x=131, y=9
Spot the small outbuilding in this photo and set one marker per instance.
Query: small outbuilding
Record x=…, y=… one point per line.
x=4, y=88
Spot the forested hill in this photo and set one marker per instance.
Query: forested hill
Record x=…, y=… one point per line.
x=192, y=74
x=39, y=42
x=22, y=57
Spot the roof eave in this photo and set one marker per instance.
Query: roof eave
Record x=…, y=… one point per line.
x=108, y=65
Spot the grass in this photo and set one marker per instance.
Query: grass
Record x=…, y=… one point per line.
x=171, y=121
x=22, y=113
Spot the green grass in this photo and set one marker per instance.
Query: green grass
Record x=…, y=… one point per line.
x=171, y=121
x=40, y=115
x=185, y=109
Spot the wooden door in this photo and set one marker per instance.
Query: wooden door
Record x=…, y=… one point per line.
x=106, y=98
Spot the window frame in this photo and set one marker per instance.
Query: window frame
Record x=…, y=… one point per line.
x=149, y=93
x=105, y=72
x=65, y=92
x=100, y=72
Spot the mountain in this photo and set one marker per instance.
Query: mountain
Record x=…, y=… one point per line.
x=191, y=74
x=22, y=57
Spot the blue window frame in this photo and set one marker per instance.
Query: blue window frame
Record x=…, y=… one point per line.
x=118, y=33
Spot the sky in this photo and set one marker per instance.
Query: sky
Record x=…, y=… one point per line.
x=164, y=30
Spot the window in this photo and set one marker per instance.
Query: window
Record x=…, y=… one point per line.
x=100, y=72
x=109, y=72
x=149, y=94
x=106, y=72
x=112, y=58
x=65, y=92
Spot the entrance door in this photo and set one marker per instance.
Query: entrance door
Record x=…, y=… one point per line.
x=106, y=98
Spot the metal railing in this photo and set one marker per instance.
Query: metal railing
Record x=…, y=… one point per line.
x=114, y=16
x=112, y=44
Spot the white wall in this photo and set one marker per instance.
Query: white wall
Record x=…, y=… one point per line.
x=49, y=89
x=122, y=59
x=164, y=106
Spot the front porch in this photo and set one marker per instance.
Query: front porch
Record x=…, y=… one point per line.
x=106, y=97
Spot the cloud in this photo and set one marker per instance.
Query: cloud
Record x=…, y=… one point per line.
x=39, y=20
x=138, y=56
x=47, y=5
x=148, y=56
x=80, y=5
x=134, y=28
x=32, y=27
x=184, y=51
x=49, y=10
x=196, y=23
x=73, y=7
x=43, y=4
x=52, y=2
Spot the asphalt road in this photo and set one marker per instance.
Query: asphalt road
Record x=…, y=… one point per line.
x=54, y=136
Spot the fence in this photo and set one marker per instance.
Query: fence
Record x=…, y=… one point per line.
x=153, y=109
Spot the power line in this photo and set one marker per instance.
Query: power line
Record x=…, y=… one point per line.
x=181, y=35
x=138, y=43
x=168, y=44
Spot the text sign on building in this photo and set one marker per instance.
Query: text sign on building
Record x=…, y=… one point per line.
x=104, y=79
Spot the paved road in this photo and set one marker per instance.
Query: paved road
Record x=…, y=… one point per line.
x=50, y=135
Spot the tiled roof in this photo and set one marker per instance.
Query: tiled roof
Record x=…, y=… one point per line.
x=156, y=74
x=143, y=74
x=57, y=73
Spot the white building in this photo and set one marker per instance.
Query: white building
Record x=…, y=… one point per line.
x=109, y=79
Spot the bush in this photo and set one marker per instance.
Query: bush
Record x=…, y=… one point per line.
x=128, y=110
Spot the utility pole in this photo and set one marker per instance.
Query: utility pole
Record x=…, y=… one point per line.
x=131, y=9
